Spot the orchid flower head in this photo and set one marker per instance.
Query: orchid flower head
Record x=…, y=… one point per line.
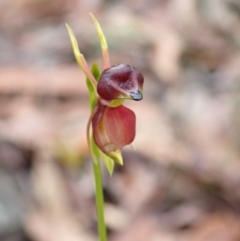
x=111, y=125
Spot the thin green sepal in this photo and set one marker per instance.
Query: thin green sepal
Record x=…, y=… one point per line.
x=108, y=161
x=92, y=94
x=116, y=156
x=80, y=58
x=103, y=43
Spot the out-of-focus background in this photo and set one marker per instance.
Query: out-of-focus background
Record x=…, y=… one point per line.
x=183, y=180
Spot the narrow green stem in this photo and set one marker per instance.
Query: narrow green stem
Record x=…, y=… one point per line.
x=99, y=201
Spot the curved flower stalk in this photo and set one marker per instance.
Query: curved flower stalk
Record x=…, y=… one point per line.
x=112, y=124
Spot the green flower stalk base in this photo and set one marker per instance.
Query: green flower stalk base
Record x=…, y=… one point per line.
x=111, y=125
x=99, y=201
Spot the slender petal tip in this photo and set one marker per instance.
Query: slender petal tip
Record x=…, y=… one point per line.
x=136, y=95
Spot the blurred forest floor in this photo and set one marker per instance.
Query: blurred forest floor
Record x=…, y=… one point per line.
x=183, y=180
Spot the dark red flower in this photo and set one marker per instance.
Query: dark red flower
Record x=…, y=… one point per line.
x=120, y=82
x=113, y=128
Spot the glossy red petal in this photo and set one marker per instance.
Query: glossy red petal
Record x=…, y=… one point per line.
x=120, y=81
x=113, y=128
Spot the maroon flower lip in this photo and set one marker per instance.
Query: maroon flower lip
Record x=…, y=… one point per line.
x=119, y=82
x=113, y=128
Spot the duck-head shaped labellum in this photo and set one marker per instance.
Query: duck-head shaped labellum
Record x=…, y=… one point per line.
x=120, y=82
x=113, y=128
